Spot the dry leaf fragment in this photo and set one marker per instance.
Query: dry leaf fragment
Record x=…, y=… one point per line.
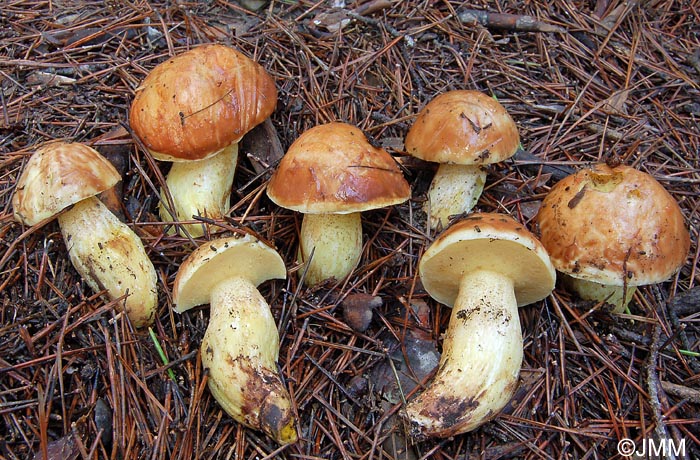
x=65, y=448
x=617, y=103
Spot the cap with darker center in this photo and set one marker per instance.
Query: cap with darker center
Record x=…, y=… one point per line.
x=332, y=168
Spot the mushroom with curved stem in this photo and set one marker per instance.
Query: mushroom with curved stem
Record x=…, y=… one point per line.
x=611, y=229
x=193, y=109
x=485, y=266
x=62, y=179
x=331, y=173
x=241, y=344
x=464, y=131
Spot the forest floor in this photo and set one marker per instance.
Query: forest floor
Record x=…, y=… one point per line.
x=585, y=82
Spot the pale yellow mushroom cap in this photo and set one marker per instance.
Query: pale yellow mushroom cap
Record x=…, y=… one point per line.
x=221, y=259
x=487, y=241
x=58, y=175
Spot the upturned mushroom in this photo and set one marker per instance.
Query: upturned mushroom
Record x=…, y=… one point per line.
x=331, y=173
x=464, y=131
x=61, y=179
x=611, y=229
x=193, y=109
x=240, y=346
x=484, y=266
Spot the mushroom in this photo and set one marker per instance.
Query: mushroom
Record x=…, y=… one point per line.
x=463, y=130
x=485, y=266
x=240, y=346
x=331, y=173
x=61, y=179
x=610, y=229
x=192, y=110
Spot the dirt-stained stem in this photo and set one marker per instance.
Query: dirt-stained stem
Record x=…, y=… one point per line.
x=240, y=349
x=480, y=362
x=110, y=256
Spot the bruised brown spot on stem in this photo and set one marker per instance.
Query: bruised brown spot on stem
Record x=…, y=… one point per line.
x=451, y=412
x=264, y=405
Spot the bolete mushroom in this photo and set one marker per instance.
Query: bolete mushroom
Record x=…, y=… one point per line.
x=240, y=346
x=610, y=229
x=61, y=179
x=331, y=173
x=463, y=130
x=192, y=110
x=484, y=266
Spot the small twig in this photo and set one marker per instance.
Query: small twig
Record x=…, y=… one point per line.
x=373, y=6
x=681, y=391
x=516, y=22
x=533, y=163
x=654, y=386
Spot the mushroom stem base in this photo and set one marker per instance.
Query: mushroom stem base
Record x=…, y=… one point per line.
x=617, y=296
x=240, y=349
x=455, y=190
x=480, y=362
x=110, y=256
x=200, y=188
x=331, y=244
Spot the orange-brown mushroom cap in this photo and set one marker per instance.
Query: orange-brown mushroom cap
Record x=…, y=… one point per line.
x=198, y=102
x=615, y=226
x=463, y=127
x=332, y=168
x=58, y=175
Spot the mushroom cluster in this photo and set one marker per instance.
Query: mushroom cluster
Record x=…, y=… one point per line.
x=607, y=228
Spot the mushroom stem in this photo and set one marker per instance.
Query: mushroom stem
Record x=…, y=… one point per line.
x=455, y=190
x=480, y=362
x=331, y=244
x=617, y=296
x=240, y=349
x=110, y=256
x=201, y=188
